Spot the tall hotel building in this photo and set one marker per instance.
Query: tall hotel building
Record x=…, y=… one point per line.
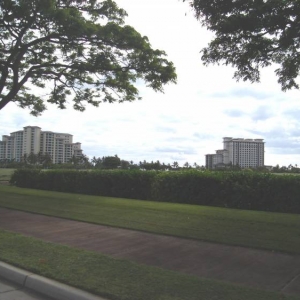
x=32, y=139
x=246, y=153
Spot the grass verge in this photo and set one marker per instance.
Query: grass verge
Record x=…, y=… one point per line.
x=272, y=231
x=117, y=279
x=5, y=174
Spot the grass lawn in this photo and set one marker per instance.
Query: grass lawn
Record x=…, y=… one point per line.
x=5, y=174
x=272, y=231
x=117, y=279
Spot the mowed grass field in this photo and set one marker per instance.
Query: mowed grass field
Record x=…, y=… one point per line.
x=263, y=230
x=5, y=174
x=118, y=279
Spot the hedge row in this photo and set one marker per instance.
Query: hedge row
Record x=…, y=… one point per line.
x=243, y=190
x=111, y=183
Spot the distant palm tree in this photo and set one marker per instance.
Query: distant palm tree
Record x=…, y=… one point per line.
x=187, y=165
x=175, y=165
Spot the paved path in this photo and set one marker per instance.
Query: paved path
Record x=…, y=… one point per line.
x=256, y=268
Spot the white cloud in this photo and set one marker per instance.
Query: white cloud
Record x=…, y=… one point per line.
x=190, y=118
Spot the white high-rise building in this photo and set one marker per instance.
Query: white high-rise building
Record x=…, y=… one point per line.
x=246, y=153
x=32, y=139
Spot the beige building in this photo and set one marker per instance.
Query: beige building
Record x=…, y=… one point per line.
x=246, y=153
x=32, y=139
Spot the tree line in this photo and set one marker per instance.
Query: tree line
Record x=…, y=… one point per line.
x=43, y=160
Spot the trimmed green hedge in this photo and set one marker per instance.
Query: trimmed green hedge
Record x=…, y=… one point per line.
x=243, y=190
x=111, y=183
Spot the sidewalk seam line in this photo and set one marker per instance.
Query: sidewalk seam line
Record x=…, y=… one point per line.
x=25, y=279
x=289, y=282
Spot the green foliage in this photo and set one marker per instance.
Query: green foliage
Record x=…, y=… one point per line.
x=40, y=159
x=250, y=35
x=111, y=162
x=242, y=190
x=289, y=169
x=79, y=50
x=114, y=183
x=191, y=187
x=26, y=177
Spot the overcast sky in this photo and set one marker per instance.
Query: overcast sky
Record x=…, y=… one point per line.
x=191, y=118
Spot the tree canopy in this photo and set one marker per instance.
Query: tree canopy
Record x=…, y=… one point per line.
x=251, y=34
x=77, y=50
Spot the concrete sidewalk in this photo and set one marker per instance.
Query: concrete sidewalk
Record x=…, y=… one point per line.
x=19, y=284
x=255, y=268
x=11, y=291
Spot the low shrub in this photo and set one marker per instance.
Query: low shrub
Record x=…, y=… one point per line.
x=242, y=190
x=111, y=183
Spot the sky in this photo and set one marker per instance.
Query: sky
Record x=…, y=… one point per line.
x=190, y=118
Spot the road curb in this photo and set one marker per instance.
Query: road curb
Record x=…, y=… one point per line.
x=42, y=285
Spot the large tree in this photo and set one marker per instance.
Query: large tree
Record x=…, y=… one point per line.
x=73, y=50
x=250, y=34
x=111, y=162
